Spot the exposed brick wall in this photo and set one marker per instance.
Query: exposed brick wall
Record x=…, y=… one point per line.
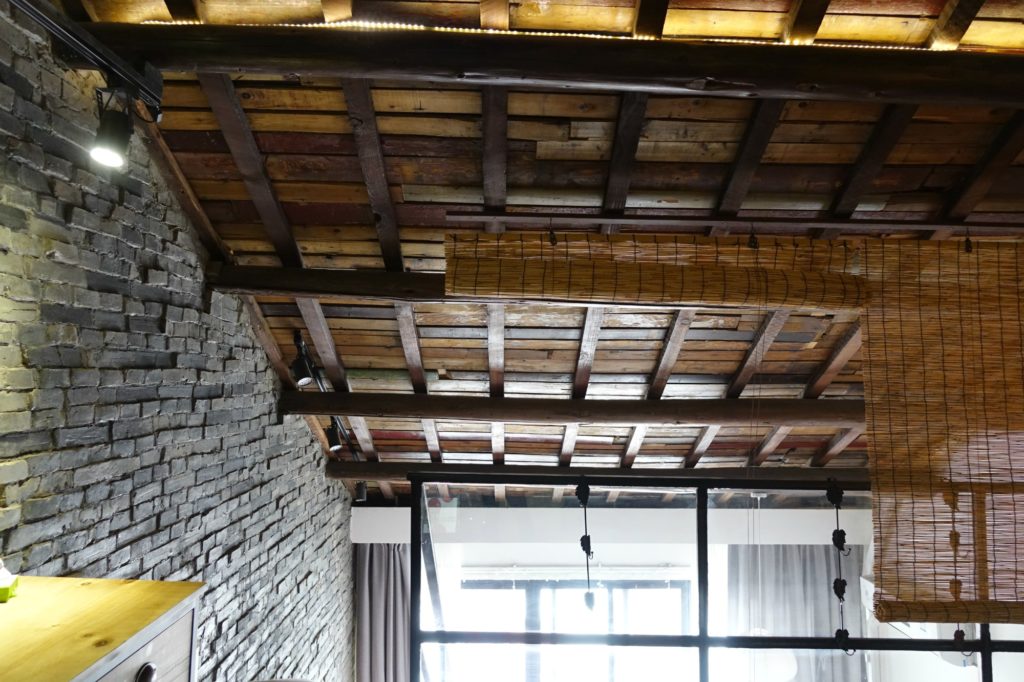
x=138, y=431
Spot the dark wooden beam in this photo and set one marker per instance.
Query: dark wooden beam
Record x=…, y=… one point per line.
x=532, y=61
x=839, y=442
x=670, y=350
x=803, y=21
x=361, y=113
x=770, y=328
x=336, y=10
x=589, y=337
x=182, y=10
x=234, y=124
x=876, y=150
x=75, y=10
x=649, y=19
x=841, y=353
x=539, y=220
x=632, y=110
x=701, y=445
x=496, y=370
x=755, y=140
x=768, y=446
x=495, y=160
x=954, y=20
x=694, y=412
x=414, y=361
x=785, y=477
x=368, y=284
x=1007, y=146
x=494, y=14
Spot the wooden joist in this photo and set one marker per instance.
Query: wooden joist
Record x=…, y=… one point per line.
x=592, y=321
x=1007, y=146
x=845, y=348
x=755, y=140
x=399, y=472
x=495, y=161
x=414, y=362
x=371, y=158
x=336, y=10
x=670, y=350
x=496, y=371
x=649, y=19
x=803, y=21
x=872, y=157
x=522, y=61
x=494, y=14
x=954, y=20
x=695, y=412
x=839, y=442
x=632, y=110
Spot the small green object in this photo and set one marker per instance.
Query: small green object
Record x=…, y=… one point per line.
x=6, y=592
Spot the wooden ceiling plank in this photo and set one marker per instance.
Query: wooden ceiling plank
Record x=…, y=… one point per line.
x=628, y=127
x=844, y=349
x=834, y=447
x=496, y=371
x=1007, y=146
x=220, y=92
x=876, y=150
x=590, y=335
x=524, y=61
x=336, y=10
x=692, y=412
x=649, y=19
x=414, y=363
x=495, y=144
x=803, y=21
x=670, y=350
x=371, y=159
x=954, y=20
x=494, y=14
x=755, y=140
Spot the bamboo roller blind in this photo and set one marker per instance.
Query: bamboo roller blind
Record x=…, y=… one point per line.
x=943, y=373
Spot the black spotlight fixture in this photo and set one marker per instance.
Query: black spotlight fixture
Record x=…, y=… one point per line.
x=333, y=438
x=303, y=369
x=111, y=145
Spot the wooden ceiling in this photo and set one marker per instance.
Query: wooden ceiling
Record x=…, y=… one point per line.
x=288, y=170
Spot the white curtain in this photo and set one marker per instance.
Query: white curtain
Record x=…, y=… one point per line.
x=382, y=613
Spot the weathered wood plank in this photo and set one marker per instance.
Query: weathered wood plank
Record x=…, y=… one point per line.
x=755, y=141
x=650, y=18
x=954, y=20
x=845, y=348
x=803, y=21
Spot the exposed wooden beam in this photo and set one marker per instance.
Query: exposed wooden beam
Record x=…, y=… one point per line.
x=182, y=10
x=803, y=21
x=361, y=113
x=694, y=412
x=1007, y=146
x=494, y=14
x=839, y=442
x=768, y=446
x=632, y=110
x=495, y=139
x=539, y=220
x=876, y=150
x=336, y=10
x=701, y=445
x=785, y=477
x=841, y=353
x=649, y=19
x=75, y=10
x=529, y=61
x=770, y=328
x=589, y=337
x=368, y=284
x=414, y=361
x=670, y=350
x=755, y=140
x=954, y=20
x=323, y=341
x=234, y=124
x=496, y=370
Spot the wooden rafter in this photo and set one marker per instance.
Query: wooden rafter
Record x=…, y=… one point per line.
x=592, y=322
x=765, y=336
x=649, y=19
x=414, y=362
x=954, y=20
x=495, y=161
x=755, y=140
x=670, y=350
x=803, y=21
x=693, y=412
x=371, y=159
x=844, y=350
x=494, y=14
x=1007, y=146
x=496, y=370
x=876, y=150
x=336, y=10
x=522, y=61
x=632, y=109
x=182, y=10
x=839, y=442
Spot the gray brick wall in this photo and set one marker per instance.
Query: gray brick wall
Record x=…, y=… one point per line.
x=138, y=430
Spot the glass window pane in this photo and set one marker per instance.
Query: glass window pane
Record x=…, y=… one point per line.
x=802, y=665
x=1007, y=667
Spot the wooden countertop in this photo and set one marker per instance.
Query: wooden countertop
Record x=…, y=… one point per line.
x=57, y=628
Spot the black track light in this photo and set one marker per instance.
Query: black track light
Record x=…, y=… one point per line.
x=111, y=145
x=333, y=438
x=361, y=492
x=300, y=370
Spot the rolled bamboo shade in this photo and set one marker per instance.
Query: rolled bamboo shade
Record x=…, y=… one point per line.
x=653, y=270
x=944, y=385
